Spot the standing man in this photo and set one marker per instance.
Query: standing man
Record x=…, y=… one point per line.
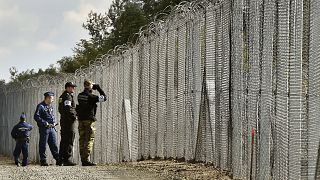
x=86, y=111
x=21, y=133
x=46, y=123
x=67, y=109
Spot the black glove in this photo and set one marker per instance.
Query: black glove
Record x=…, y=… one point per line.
x=96, y=87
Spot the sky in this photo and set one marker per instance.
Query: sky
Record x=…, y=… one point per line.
x=37, y=33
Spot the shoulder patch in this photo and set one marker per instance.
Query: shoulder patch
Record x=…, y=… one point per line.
x=60, y=100
x=67, y=103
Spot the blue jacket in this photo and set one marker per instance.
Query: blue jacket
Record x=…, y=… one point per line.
x=44, y=115
x=21, y=130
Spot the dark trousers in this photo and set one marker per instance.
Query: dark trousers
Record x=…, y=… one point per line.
x=66, y=143
x=24, y=147
x=48, y=135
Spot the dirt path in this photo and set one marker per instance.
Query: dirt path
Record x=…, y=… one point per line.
x=133, y=170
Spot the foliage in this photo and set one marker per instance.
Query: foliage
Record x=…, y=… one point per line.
x=30, y=73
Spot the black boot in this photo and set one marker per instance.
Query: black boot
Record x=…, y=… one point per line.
x=69, y=163
x=59, y=162
x=44, y=163
x=17, y=164
x=88, y=163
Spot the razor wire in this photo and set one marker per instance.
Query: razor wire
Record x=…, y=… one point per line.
x=231, y=83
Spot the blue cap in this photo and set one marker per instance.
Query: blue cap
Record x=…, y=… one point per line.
x=23, y=116
x=49, y=93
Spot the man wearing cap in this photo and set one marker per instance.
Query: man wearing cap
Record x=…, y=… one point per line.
x=46, y=122
x=21, y=133
x=86, y=111
x=67, y=109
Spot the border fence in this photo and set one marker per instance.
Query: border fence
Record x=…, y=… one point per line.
x=232, y=83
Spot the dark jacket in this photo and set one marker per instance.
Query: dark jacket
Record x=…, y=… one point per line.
x=44, y=115
x=21, y=130
x=67, y=108
x=87, y=108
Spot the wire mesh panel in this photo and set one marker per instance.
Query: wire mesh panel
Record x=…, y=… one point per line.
x=225, y=87
x=161, y=93
x=171, y=103
x=282, y=121
x=105, y=140
x=314, y=96
x=253, y=79
x=153, y=95
x=239, y=165
x=201, y=131
x=189, y=98
x=295, y=93
x=266, y=92
x=145, y=97
x=196, y=73
x=135, y=106
x=117, y=112
x=96, y=154
x=181, y=90
x=219, y=71
x=210, y=83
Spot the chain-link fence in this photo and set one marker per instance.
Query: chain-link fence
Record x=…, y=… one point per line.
x=231, y=83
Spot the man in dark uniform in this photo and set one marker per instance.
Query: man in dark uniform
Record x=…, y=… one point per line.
x=46, y=123
x=21, y=133
x=67, y=109
x=86, y=111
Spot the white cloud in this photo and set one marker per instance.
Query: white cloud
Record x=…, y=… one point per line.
x=4, y=52
x=79, y=15
x=7, y=13
x=36, y=33
x=46, y=46
x=14, y=15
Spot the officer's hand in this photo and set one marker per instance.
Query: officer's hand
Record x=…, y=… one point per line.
x=95, y=87
x=49, y=125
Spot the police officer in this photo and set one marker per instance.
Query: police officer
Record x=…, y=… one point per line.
x=21, y=133
x=46, y=122
x=68, y=116
x=86, y=111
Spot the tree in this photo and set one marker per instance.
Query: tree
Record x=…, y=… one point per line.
x=13, y=72
x=128, y=24
x=152, y=7
x=30, y=73
x=68, y=64
x=118, y=27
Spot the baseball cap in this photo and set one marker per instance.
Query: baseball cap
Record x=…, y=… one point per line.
x=49, y=93
x=70, y=84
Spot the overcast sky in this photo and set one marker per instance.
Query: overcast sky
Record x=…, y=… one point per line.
x=37, y=33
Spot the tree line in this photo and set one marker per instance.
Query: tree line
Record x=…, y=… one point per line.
x=117, y=26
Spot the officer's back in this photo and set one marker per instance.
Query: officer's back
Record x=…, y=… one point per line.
x=21, y=130
x=86, y=110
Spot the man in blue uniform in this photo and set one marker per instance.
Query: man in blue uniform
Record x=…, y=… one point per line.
x=46, y=123
x=21, y=133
